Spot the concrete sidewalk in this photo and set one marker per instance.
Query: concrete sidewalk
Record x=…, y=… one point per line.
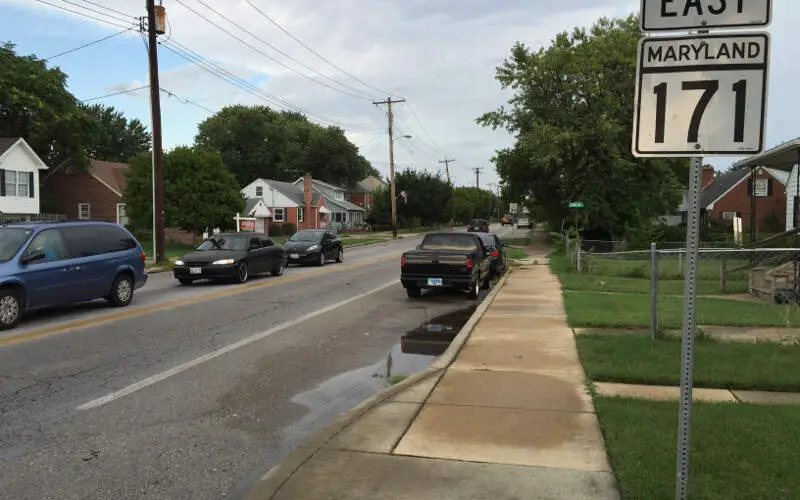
x=504, y=414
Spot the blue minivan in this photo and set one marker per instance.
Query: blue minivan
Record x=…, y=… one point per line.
x=55, y=264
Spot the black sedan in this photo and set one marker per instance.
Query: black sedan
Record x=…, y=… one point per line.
x=314, y=246
x=231, y=256
x=497, y=253
x=478, y=226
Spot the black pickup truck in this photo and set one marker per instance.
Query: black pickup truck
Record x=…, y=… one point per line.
x=446, y=260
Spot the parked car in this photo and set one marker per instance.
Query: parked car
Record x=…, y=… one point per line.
x=478, y=225
x=314, y=246
x=231, y=256
x=446, y=260
x=507, y=220
x=524, y=222
x=56, y=264
x=497, y=253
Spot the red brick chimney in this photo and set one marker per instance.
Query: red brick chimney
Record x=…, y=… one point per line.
x=706, y=176
x=307, y=197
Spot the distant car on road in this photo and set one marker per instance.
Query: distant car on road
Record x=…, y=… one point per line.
x=497, y=253
x=447, y=260
x=231, y=256
x=57, y=264
x=524, y=222
x=507, y=220
x=314, y=246
x=478, y=226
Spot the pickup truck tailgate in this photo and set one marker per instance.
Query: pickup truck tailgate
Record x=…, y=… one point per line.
x=433, y=264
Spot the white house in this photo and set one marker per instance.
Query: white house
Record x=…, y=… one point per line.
x=288, y=203
x=19, y=177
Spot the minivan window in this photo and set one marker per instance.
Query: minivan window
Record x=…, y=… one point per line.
x=51, y=243
x=85, y=241
x=11, y=241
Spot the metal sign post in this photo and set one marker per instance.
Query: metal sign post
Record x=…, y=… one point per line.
x=699, y=95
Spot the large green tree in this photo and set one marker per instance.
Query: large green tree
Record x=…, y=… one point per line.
x=470, y=202
x=429, y=196
x=256, y=141
x=113, y=137
x=199, y=192
x=36, y=105
x=571, y=115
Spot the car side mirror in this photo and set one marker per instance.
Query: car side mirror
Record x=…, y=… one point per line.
x=33, y=256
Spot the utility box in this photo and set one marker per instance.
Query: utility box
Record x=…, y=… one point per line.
x=161, y=19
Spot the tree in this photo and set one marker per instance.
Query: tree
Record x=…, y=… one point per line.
x=256, y=141
x=113, y=137
x=199, y=192
x=469, y=203
x=36, y=105
x=571, y=115
x=428, y=196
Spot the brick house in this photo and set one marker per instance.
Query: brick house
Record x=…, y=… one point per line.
x=730, y=195
x=91, y=193
x=362, y=194
x=289, y=203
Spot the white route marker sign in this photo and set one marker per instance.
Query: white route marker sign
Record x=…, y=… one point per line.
x=701, y=95
x=677, y=15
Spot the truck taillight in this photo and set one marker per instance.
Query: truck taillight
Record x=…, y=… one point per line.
x=403, y=260
x=496, y=253
x=470, y=263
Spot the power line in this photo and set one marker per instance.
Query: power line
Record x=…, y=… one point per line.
x=183, y=100
x=106, y=21
x=275, y=23
x=220, y=72
x=126, y=30
x=124, y=19
x=419, y=122
x=128, y=91
x=276, y=61
x=124, y=14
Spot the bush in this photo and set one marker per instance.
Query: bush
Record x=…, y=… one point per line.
x=288, y=229
x=275, y=230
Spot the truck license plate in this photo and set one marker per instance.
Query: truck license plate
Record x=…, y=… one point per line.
x=434, y=281
x=195, y=270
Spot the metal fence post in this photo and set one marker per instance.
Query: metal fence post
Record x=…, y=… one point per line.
x=653, y=291
x=579, y=257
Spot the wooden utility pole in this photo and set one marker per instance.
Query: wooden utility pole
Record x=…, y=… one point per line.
x=447, y=167
x=155, y=105
x=389, y=101
x=478, y=171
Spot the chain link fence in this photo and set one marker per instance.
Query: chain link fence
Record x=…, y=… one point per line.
x=733, y=284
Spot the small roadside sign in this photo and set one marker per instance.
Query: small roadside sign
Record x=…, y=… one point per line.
x=512, y=208
x=677, y=15
x=576, y=204
x=701, y=95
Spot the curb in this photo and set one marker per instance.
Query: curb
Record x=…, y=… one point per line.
x=270, y=483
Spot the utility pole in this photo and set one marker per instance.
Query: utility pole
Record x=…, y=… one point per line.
x=155, y=104
x=478, y=171
x=447, y=167
x=389, y=101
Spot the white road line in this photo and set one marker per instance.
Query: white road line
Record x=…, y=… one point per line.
x=224, y=350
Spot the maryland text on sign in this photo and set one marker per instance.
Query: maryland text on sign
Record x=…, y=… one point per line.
x=701, y=95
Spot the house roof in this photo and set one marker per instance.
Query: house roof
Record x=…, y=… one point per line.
x=293, y=192
x=250, y=204
x=317, y=184
x=724, y=183
x=345, y=204
x=782, y=155
x=321, y=183
x=113, y=175
x=371, y=183
x=6, y=143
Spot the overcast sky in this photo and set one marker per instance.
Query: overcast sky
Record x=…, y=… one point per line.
x=438, y=54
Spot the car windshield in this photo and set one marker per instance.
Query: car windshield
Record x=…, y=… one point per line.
x=225, y=242
x=306, y=236
x=478, y=222
x=449, y=242
x=11, y=240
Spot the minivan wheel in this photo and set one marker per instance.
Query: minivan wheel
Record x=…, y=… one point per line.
x=10, y=309
x=121, y=291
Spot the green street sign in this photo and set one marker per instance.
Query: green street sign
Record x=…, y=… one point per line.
x=576, y=204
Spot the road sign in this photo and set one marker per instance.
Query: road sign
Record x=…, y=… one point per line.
x=512, y=208
x=701, y=95
x=576, y=204
x=676, y=15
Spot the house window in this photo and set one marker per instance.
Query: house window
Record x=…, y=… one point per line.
x=259, y=191
x=339, y=195
x=301, y=214
x=761, y=187
x=17, y=183
x=84, y=211
x=338, y=217
x=730, y=215
x=122, y=214
x=278, y=214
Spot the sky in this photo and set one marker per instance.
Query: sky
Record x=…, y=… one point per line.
x=332, y=60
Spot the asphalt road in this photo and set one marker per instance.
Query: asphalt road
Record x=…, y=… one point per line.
x=194, y=392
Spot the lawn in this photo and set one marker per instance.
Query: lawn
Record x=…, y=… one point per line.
x=627, y=310
x=594, y=283
x=519, y=242
x=668, y=267
x=516, y=254
x=172, y=251
x=358, y=241
x=638, y=359
x=739, y=451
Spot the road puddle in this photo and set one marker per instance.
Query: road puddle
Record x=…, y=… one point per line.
x=433, y=337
